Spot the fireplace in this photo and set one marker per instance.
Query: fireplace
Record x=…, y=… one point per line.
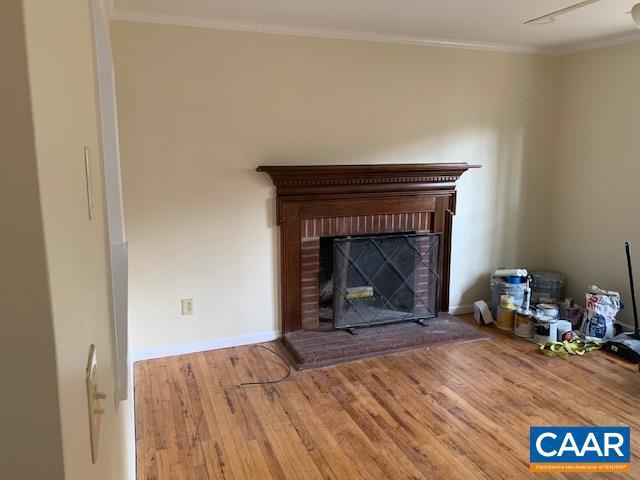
x=333, y=217
x=377, y=279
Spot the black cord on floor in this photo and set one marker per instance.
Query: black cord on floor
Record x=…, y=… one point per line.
x=269, y=382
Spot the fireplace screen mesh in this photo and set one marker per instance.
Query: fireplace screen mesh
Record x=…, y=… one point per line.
x=384, y=279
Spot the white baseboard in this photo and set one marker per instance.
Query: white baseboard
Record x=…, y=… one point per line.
x=185, y=348
x=132, y=447
x=460, y=309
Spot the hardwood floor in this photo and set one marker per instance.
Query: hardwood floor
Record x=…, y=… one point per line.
x=453, y=412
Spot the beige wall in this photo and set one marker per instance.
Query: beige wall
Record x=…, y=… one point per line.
x=57, y=266
x=200, y=109
x=595, y=180
x=29, y=419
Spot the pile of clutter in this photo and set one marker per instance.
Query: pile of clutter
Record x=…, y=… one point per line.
x=531, y=306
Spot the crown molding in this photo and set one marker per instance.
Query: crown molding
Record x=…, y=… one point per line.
x=601, y=43
x=220, y=24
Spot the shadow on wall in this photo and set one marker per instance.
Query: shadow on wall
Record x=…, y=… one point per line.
x=492, y=205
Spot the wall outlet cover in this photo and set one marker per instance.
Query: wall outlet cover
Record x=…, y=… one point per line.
x=187, y=306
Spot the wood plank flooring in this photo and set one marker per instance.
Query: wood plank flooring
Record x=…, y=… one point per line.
x=459, y=411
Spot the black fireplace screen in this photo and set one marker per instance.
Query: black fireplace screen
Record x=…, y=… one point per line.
x=384, y=279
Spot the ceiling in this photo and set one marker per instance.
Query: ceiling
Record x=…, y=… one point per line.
x=489, y=24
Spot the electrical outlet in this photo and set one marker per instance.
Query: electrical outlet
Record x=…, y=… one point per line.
x=187, y=306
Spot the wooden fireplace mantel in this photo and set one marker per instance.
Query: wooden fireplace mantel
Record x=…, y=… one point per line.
x=332, y=179
x=329, y=200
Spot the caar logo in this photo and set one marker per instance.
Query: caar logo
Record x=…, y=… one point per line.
x=579, y=449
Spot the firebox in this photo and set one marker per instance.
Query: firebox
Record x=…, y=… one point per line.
x=378, y=279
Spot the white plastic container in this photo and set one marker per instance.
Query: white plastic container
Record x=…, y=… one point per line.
x=545, y=329
x=564, y=326
x=548, y=309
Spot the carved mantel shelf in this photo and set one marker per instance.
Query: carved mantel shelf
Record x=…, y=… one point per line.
x=326, y=200
x=335, y=179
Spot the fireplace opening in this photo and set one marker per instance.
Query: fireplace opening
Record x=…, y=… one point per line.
x=377, y=279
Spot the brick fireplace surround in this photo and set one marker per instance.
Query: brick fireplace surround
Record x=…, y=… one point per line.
x=333, y=200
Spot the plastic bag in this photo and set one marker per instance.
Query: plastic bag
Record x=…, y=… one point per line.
x=600, y=316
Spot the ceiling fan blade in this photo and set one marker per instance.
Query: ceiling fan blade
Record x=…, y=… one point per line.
x=549, y=17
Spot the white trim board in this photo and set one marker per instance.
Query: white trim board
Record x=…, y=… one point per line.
x=460, y=309
x=221, y=24
x=602, y=43
x=186, y=348
x=132, y=451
